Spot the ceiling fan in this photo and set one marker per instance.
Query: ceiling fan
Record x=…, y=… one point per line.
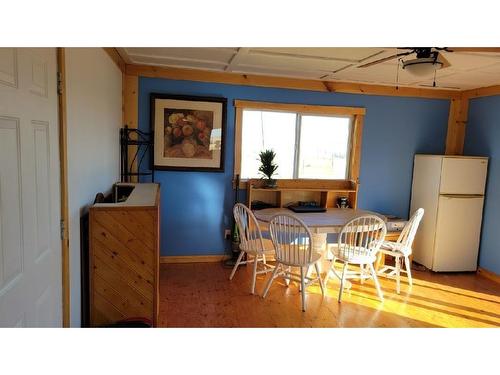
x=427, y=59
x=429, y=55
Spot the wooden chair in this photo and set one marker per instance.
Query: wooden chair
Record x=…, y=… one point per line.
x=357, y=244
x=401, y=249
x=293, y=248
x=251, y=243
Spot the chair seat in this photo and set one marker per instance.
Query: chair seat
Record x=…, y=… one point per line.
x=315, y=257
x=254, y=247
x=363, y=256
x=394, y=248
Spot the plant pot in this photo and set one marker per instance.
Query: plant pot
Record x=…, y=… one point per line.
x=270, y=183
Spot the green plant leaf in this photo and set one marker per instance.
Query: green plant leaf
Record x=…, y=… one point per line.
x=267, y=166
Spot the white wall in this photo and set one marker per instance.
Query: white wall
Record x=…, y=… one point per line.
x=94, y=116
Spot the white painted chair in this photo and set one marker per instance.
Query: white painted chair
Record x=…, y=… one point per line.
x=293, y=248
x=251, y=243
x=401, y=249
x=357, y=244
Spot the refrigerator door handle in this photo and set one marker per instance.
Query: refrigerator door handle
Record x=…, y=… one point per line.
x=463, y=196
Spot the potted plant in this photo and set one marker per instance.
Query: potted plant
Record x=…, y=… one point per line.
x=267, y=167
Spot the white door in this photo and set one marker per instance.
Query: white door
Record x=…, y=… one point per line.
x=30, y=248
x=457, y=233
x=463, y=175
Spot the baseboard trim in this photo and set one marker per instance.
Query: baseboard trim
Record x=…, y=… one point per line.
x=489, y=274
x=193, y=258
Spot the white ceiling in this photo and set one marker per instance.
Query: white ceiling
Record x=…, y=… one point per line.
x=468, y=70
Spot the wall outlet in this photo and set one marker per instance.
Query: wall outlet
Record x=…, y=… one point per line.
x=227, y=234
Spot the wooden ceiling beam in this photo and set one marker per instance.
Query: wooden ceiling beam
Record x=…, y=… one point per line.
x=288, y=83
x=116, y=57
x=482, y=91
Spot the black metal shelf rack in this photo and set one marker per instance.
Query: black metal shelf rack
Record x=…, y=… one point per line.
x=145, y=144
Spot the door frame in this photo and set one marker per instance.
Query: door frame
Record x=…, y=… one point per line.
x=63, y=156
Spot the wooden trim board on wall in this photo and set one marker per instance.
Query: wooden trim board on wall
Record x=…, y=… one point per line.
x=457, y=122
x=489, y=274
x=288, y=83
x=63, y=155
x=355, y=151
x=300, y=108
x=482, y=91
x=115, y=56
x=131, y=110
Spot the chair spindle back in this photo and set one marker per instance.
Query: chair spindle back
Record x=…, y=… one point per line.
x=292, y=239
x=408, y=233
x=248, y=229
x=361, y=236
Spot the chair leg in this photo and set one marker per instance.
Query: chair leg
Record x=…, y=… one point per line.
x=236, y=265
x=306, y=275
x=270, y=281
x=254, y=276
x=361, y=273
x=375, y=280
x=408, y=270
x=302, y=288
x=264, y=258
x=342, y=281
x=398, y=274
x=319, y=279
x=288, y=269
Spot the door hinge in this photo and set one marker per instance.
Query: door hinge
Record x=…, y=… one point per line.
x=59, y=83
x=63, y=229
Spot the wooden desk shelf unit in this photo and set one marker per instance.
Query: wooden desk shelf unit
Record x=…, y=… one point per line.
x=124, y=257
x=325, y=192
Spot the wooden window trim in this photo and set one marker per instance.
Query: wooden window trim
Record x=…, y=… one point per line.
x=301, y=108
x=357, y=114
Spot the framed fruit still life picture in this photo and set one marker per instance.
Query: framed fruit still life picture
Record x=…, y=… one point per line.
x=188, y=132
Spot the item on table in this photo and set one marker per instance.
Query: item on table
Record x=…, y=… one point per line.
x=342, y=202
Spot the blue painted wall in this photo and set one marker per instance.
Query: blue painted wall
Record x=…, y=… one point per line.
x=483, y=139
x=196, y=206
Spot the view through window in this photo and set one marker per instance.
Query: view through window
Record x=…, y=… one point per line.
x=306, y=146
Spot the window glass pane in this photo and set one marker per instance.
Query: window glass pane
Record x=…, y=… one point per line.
x=324, y=147
x=267, y=130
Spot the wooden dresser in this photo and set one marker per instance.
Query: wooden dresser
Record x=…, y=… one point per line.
x=124, y=256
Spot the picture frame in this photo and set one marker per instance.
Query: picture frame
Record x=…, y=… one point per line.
x=189, y=132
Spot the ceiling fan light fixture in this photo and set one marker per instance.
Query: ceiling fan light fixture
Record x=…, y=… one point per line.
x=422, y=66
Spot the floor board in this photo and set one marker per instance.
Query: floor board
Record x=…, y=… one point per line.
x=201, y=295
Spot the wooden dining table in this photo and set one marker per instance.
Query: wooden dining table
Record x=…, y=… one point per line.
x=319, y=223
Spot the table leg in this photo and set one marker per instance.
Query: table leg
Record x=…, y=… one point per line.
x=380, y=262
x=319, y=246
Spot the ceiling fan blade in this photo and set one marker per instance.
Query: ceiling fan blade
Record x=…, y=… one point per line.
x=384, y=59
x=474, y=49
x=441, y=87
x=443, y=60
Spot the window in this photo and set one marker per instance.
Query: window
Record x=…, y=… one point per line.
x=312, y=142
x=268, y=130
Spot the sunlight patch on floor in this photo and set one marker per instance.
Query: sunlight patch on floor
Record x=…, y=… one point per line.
x=448, y=307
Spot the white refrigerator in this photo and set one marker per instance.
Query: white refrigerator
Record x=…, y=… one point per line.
x=451, y=191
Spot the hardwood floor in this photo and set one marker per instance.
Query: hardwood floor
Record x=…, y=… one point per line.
x=200, y=295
